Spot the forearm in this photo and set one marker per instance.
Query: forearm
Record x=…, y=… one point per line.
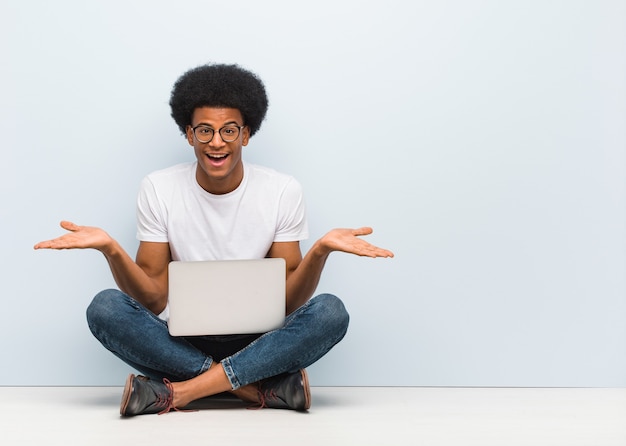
x=133, y=280
x=303, y=281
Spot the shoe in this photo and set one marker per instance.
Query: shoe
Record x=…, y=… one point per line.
x=286, y=391
x=143, y=396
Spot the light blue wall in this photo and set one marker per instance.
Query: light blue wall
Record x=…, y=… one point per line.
x=483, y=140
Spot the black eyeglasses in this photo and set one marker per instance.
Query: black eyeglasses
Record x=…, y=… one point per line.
x=228, y=133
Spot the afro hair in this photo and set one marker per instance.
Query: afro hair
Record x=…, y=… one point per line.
x=219, y=85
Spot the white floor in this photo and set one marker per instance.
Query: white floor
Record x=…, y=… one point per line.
x=338, y=416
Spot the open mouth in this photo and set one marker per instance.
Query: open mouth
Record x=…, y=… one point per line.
x=217, y=159
x=217, y=156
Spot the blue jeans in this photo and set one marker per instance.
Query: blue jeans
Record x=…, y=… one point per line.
x=141, y=339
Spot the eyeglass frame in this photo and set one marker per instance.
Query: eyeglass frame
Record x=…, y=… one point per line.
x=238, y=127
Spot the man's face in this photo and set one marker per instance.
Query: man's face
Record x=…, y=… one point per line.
x=220, y=168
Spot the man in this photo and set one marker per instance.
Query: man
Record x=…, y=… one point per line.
x=218, y=207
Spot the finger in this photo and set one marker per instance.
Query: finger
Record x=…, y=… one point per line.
x=375, y=251
x=386, y=253
x=365, y=230
x=48, y=244
x=68, y=225
x=379, y=252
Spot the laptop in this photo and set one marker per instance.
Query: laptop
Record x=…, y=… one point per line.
x=222, y=297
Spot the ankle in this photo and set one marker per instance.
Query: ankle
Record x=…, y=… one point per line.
x=179, y=398
x=248, y=393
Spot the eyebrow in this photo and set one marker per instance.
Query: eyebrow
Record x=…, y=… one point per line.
x=209, y=125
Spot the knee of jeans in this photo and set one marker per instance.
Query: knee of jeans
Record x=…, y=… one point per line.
x=335, y=313
x=103, y=306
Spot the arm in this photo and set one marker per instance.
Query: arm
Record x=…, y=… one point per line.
x=303, y=274
x=144, y=279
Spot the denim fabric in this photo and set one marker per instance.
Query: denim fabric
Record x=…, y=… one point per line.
x=139, y=338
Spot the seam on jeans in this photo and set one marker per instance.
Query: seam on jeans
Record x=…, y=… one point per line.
x=206, y=366
x=143, y=309
x=230, y=374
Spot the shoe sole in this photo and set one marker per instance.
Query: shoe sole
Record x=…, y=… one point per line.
x=128, y=390
x=307, y=390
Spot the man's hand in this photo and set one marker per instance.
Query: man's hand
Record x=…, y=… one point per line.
x=347, y=240
x=80, y=237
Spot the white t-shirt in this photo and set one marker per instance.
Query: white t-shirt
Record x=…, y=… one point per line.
x=267, y=207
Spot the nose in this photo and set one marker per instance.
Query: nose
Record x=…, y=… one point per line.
x=217, y=140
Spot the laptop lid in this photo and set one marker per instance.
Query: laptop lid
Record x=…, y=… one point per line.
x=221, y=297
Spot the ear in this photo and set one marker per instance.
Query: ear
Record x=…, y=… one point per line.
x=189, y=133
x=245, y=136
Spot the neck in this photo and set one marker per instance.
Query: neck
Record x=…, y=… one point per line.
x=219, y=185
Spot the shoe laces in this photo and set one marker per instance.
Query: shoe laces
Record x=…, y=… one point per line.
x=165, y=400
x=264, y=396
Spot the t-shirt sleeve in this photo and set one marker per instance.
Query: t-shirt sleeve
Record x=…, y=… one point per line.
x=151, y=214
x=292, y=223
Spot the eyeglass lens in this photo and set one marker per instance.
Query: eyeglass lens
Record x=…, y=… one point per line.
x=205, y=133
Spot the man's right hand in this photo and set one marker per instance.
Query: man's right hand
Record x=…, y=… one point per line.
x=79, y=237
